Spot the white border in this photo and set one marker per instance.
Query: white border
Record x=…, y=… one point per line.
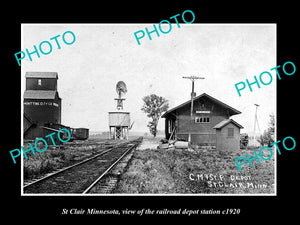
x=171, y=194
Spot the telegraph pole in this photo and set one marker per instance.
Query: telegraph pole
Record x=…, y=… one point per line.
x=193, y=94
x=255, y=119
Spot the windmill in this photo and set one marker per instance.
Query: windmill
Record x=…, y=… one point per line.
x=121, y=90
x=119, y=121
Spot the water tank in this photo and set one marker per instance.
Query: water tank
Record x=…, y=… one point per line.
x=119, y=119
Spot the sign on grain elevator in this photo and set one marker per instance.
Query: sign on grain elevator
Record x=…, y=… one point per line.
x=119, y=121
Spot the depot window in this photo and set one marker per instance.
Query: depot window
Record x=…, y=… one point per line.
x=202, y=119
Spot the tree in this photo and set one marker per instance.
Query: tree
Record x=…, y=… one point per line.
x=154, y=106
x=267, y=138
x=271, y=128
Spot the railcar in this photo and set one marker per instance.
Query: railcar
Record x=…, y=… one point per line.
x=80, y=133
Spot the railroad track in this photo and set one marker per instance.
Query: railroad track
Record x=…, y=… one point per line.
x=83, y=176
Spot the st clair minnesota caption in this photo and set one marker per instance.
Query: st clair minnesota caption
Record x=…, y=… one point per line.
x=91, y=211
x=144, y=211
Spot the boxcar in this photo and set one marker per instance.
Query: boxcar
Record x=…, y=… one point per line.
x=80, y=133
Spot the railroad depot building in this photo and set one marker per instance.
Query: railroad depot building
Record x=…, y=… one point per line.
x=210, y=123
x=42, y=104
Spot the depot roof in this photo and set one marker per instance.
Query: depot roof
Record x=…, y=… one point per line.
x=231, y=110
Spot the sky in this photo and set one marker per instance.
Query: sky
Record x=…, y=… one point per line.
x=104, y=54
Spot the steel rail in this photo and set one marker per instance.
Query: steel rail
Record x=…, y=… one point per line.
x=109, y=169
x=70, y=167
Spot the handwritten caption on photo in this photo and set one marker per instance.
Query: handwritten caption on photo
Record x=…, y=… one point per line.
x=223, y=181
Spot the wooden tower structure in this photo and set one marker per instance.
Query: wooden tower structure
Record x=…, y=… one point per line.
x=119, y=121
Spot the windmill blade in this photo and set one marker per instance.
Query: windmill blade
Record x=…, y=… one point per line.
x=121, y=87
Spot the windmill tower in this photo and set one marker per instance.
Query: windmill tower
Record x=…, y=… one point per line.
x=119, y=121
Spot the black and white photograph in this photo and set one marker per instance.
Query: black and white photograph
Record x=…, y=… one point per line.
x=106, y=111
x=163, y=111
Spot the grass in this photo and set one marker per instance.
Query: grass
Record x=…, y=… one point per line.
x=168, y=171
x=55, y=158
x=161, y=171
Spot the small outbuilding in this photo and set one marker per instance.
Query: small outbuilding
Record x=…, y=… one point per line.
x=228, y=135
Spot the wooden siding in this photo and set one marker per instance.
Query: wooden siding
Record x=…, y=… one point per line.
x=228, y=143
x=203, y=133
x=46, y=84
x=186, y=124
x=117, y=119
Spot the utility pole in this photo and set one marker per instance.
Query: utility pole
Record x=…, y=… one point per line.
x=255, y=119
x=193, y=94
